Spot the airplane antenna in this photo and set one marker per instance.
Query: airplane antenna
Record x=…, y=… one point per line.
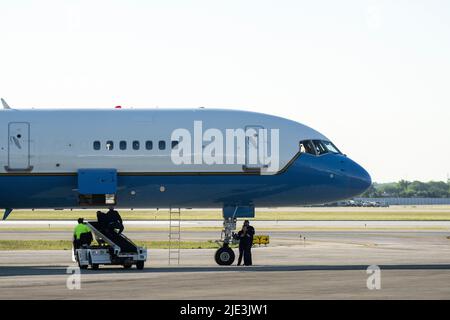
x=5, y=105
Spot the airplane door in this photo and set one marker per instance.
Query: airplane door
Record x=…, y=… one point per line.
x=254, y=147
x=19, y=146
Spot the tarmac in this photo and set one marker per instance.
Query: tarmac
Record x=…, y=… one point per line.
x=414, y=262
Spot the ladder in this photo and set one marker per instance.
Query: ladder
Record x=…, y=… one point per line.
x=174, y=235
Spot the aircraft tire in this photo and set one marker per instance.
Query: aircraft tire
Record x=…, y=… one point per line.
x=224, y=256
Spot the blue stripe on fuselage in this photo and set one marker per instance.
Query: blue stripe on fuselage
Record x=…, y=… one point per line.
x=308, y=180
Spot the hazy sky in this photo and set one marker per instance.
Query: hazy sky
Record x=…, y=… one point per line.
x=374, y=76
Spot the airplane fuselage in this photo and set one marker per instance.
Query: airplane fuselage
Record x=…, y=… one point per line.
x=43, y=151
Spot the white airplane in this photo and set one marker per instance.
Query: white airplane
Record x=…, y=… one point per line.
x=178, y=158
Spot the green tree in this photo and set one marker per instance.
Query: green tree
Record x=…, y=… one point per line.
x=408, y=189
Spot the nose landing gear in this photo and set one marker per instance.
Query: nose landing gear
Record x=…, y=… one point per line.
x=225, y=255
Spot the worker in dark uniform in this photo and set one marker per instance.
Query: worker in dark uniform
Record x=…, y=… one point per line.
x=102, y=220
x=114, y=221
x=82, y=235
x=245, y=243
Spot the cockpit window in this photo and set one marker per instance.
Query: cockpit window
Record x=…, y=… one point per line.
x=331, y=147
x=320, y=147
x=307, y=147
x=323, y=146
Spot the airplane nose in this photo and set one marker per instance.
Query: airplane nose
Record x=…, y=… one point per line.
x=366, y=180
x=359, y=179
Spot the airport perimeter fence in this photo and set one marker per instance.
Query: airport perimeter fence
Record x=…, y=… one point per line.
x=408, y=201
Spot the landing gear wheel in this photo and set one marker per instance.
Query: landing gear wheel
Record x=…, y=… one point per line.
x=127, y=266
x=140, y=265
x=224, y=256
x=95, y=266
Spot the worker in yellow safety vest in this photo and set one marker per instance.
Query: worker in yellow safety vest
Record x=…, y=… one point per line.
x=82, y=234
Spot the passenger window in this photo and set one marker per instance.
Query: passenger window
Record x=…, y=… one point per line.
x=109, y=145
x=162, y=145
x=149, y=145
x=174, y=144
x=123, y=145
x=135, y=145
x=307, y=147
x=96, y=145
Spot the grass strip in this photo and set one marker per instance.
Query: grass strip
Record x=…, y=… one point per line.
x=67, y=245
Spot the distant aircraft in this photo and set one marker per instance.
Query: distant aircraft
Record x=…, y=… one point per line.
x=173, y=158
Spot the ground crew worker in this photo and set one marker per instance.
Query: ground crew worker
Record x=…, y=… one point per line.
x=101, y=219
x=82, y=234
x=245, y=243
x=114, y=220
